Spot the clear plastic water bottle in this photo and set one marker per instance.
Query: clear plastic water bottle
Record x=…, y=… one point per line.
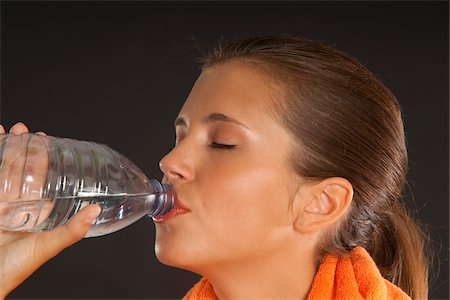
x=45, y=180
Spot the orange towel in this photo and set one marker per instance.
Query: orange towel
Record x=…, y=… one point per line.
x=352, y=277
x=202, y=290
x=349, y=277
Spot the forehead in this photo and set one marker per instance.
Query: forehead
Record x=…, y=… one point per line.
x=232, y=88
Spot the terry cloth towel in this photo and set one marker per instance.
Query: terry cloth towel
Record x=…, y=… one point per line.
x=348, y=277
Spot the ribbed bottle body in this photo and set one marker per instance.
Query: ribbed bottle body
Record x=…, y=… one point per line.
x=45, y=180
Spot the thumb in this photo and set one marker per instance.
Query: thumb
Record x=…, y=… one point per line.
x=52, y=242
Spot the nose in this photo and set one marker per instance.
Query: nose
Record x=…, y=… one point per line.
x=177, y=166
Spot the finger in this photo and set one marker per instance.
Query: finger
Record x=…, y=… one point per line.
x=35, y=174
x=52, y=242
x=19, y=128
x=41, y=133
x=36, y=168
x=3, y=138
x=12, y=163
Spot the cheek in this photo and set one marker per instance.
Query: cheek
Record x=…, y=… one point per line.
x=245, y=201
x=244, y=181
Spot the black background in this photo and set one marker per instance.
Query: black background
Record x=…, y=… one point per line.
x=118, y=72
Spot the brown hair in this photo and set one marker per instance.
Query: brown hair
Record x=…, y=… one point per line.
x=348, y=124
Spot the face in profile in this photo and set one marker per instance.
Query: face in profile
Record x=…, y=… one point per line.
x=230, y=169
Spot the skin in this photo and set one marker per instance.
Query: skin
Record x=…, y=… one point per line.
x=242, y=230
x=249, y=224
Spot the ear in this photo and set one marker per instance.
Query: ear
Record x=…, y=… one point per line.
x=324, y=203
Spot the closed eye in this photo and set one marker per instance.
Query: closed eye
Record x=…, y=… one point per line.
x=218, y=146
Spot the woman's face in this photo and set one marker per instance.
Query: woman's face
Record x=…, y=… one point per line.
x=231, y=174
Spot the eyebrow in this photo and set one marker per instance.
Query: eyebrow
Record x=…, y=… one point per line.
x=213, y=117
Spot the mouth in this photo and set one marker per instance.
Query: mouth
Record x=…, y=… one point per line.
x=176, y=210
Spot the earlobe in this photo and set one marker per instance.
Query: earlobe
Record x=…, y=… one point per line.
x=327, y=202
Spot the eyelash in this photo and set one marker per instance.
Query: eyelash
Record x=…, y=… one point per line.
x=217, y=146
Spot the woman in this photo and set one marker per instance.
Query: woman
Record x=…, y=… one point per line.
x=289, y=162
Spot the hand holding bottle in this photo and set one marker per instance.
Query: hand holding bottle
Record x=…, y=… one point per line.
x=21, y=253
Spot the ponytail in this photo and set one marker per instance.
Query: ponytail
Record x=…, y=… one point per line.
x=400, y=252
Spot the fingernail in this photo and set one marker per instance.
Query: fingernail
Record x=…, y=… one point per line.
x=91, y=216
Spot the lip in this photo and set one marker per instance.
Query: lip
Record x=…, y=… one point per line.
x=177, y=210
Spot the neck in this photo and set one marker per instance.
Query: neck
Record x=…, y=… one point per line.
x=282, y=276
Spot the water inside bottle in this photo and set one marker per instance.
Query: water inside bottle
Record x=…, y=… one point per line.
x=118, y=211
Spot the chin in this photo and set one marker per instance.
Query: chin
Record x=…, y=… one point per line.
x=175, y=251
x=178, y=259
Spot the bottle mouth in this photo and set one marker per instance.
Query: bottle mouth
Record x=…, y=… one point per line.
x=168, y=194
x=164, y=199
